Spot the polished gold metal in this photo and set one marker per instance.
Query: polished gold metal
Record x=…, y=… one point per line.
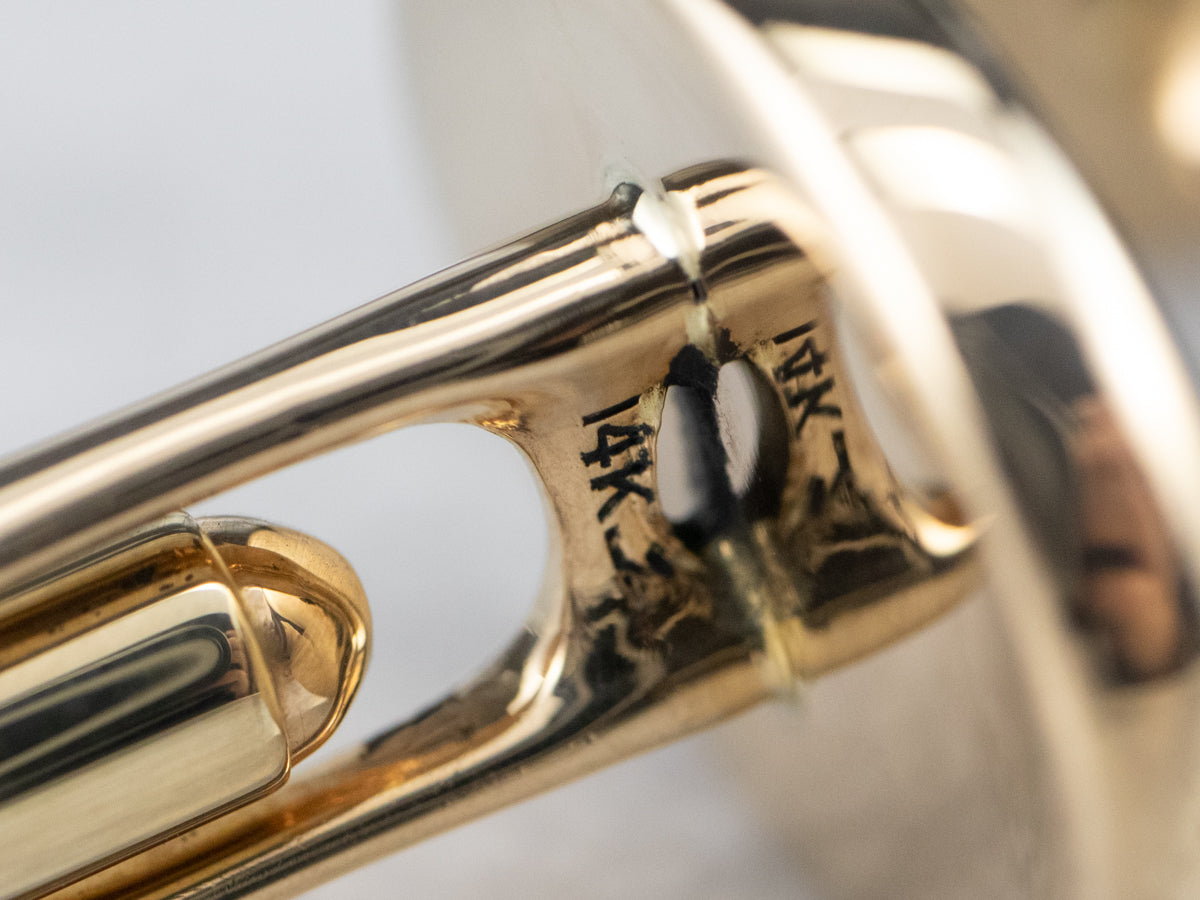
x=163, y=680
x=701, y=370
x=309, y=615
x=652, y=623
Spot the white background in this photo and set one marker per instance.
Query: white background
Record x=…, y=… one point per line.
x=181, y=184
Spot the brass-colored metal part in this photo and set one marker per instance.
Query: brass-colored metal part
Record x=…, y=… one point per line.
x=702, y=560
x=163, y=680
x=310, y=616
x=649, y=627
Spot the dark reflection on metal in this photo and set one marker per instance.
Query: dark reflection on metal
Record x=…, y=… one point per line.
x=1082, y=490
x=695, y=446
x=897, y=18
x=117, y=702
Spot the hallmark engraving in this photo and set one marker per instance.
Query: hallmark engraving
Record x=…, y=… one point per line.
x=805, y=385
x=624, y=450
x=613, y=441
x=806, y=362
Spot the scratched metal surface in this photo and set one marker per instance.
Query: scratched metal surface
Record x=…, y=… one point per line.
x=183, y=184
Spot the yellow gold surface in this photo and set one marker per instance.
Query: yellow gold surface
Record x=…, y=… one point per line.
x=786, y=547
x=786, y=411
x=145, y=688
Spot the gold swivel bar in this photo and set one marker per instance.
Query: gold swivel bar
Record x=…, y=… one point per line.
x=695, y=572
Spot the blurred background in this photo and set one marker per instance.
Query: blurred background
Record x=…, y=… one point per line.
x=182, y=184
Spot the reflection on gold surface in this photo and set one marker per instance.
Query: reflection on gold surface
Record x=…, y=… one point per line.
x=1082, y=490
x=309, y=617
x=1177, y=100
x=1130, y=590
